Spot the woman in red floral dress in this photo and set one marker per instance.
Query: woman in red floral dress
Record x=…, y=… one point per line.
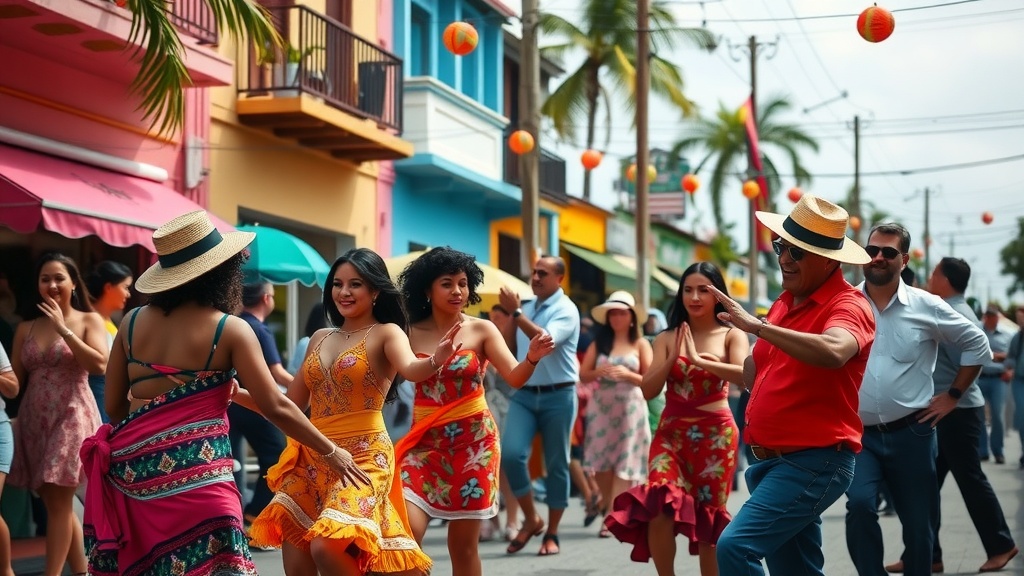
x=452, y=452
x=693, y=452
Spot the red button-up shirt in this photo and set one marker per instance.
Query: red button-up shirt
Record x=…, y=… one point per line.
x=794, y=404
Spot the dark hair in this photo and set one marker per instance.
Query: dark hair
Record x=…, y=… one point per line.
x=557, y=261
x=431, y=265
x=316, y=320
x=220, y=288
x=80, y=299
x=909, y=276
x=677, y=313
x=106, y=272
x=253, y=292
x=387, y=308
x=957, y=271
x=893, y=229
x=604, y=334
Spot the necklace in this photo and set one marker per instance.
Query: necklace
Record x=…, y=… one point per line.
x=348, y=333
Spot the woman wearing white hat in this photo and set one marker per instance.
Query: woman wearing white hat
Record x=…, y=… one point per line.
x=161, y=498
x=617, y=434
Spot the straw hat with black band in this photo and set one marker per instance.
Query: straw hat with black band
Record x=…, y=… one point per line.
x=819, y=227
x=188, y=247
x=619, y=300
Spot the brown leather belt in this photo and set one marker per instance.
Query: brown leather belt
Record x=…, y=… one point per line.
x=764, y=453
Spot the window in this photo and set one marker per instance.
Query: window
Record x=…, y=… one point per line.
x=419, y=42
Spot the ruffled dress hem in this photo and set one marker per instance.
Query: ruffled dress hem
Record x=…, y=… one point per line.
x=278, y=524
x=414, y=499
x=633, y=510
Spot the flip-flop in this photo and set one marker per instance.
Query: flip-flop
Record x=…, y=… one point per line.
x=593, y=510
x=516, y=544
x=549, y=538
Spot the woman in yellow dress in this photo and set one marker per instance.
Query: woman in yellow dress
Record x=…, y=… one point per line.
x=357, y=524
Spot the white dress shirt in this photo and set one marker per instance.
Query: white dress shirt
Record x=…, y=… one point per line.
x=898, y=378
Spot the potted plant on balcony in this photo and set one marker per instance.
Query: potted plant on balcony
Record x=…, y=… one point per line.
x=296, y=62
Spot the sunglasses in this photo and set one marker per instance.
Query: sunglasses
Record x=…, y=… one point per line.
x=888, y=252
x=795, y=252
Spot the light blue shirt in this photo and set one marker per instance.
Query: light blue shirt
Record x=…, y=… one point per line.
x=947, y=365
x=1012, y=362
x=908, y=332
x=560, y=318
x=999, y=341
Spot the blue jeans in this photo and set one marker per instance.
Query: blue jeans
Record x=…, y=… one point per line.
x=1017, y=387
x=781, y=521
x=905, y=461
x=552, y=414
x=98, y=385
x=994, y=391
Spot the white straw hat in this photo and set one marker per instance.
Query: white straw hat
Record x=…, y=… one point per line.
x=188, y=247
x=618, y=300
x=819, y=227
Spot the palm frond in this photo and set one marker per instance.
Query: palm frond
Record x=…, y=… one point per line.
x=567, y=105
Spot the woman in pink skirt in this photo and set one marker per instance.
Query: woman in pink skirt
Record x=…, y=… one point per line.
x=618, y=436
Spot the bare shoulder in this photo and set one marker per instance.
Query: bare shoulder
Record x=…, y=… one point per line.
x=93, y=320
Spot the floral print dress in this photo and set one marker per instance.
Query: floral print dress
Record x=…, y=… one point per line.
x=618, y=436
x=452, y=471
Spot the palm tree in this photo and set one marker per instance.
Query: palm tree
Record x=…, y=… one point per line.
x=724, y=140
x=162, y=76
x=606, y=32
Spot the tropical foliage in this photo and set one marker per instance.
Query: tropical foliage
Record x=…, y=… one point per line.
x=723, y=141
x=162, y=76
x=1012, y=257
x=606, y=33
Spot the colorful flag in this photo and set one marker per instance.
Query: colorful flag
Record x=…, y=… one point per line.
x=764, y=236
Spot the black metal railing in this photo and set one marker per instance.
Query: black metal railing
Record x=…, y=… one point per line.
x=323, y=58
x=551, y=171
x=195, y=18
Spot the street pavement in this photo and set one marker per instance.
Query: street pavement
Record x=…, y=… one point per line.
x=583, y=553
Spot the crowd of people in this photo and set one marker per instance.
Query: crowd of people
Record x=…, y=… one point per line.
x=849, y=390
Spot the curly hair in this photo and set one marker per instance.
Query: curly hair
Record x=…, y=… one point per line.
x=220, y=288
x=677, y=313
x=80, y=299
x=418, y=276
x=388, y=308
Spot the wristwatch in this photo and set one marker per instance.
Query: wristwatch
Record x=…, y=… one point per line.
x=517, y=313
x=955, y=393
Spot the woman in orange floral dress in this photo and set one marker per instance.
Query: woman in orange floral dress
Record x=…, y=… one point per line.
x=337, y=525
x=450, y=457
x=693, y=451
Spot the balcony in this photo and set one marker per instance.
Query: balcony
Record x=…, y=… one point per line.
x=551, y=175
x=194, y=17
x=327, y=89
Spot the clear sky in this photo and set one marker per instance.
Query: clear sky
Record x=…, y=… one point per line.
x=945, y=89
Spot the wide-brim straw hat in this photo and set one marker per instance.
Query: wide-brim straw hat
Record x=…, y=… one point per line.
x=618, y=300
x=188, y=247
x=819, y=227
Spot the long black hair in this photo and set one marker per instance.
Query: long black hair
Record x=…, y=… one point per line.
x=388, y=307
x=80, y=299
x=677, y=313
x=604, y=335
x=418, y=276
x=106, y=272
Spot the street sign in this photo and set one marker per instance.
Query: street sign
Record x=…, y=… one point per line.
x=666, y=197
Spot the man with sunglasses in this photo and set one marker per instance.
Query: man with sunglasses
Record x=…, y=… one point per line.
x=899, y=407
x=801, y=421
x=546, y=404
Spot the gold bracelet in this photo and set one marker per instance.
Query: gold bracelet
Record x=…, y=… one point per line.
x=433, y=363
x=331, y=453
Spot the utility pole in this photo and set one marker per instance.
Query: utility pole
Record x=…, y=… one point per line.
x=529, y=120
x=643, y=216
x=752, y=53
x=927, y=234
x=858, y=271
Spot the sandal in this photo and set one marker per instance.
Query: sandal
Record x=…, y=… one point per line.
x=544, y=551
x=516, y=545
x=593, y=510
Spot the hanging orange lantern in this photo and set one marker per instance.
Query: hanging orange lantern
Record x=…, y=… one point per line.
x=987, y=217
x=751, y=189
x=652, y=173
x=794, y=195
x=591, y=159
x=875, y=24
x=691, y=183
x=917, y=253
x=460, y=38
x=520, y=142
x=854, y=223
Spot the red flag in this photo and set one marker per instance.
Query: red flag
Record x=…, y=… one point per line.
x=764, y=236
